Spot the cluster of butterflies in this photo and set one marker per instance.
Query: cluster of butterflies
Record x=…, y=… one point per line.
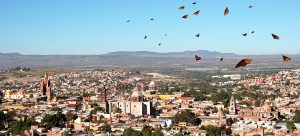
x=243, y=62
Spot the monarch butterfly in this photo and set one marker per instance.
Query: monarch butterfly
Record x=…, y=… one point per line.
x=285, y=58
x=185, y=16
x=196, y=12
x=243, y=63
x=181, y=8
x=226, y=11
x=276, y=37
x=197, y=58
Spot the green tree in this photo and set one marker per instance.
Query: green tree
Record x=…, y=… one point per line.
x=19, y=127
x=118, y=110
x=2, y=119
x=186, y=116
x=56, y=109
x=223, y=97
x=215, y=110
x=94, y=111
x=296, y=118
x=157, y=132
x=70, y=116
x=146, y=131
x=131, y=132
x=213, y=130
x=179, y=134
x=290, y=125
x=56, y=120
x=105, y=128
x=257, y=103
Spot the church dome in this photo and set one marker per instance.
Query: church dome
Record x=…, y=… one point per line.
x=137, y=95
x=152, y=84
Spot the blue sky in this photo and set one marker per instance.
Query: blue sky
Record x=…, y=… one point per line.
x=99, y=26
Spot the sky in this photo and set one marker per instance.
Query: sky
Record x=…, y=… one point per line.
x=99, y=26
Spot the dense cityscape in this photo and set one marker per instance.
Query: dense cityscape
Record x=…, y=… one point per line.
x=132, y=103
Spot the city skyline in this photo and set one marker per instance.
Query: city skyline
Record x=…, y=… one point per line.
x=99, y=27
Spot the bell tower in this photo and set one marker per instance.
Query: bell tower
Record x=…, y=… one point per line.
x=102, y=98
x=232, y=107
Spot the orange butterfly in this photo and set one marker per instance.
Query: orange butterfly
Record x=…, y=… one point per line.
x=243, y=63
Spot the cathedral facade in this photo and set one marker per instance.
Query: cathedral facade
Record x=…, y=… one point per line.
x=45, y=90
x=135, y=105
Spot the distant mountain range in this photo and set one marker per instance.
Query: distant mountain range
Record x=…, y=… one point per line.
x=143, y=59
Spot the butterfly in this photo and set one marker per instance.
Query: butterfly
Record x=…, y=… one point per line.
x=197, y=58
x=243, y=63
x=285, y=58
x=185, y=16
x=181, y=8
x=196, y=12
x=226, y=11
x=276, y=37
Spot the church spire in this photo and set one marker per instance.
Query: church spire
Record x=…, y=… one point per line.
x=232, y=107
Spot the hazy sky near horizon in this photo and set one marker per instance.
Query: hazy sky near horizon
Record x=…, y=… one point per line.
x=99, y=26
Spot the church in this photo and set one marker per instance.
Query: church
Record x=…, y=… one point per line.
x=45, y=88
x=135, y=105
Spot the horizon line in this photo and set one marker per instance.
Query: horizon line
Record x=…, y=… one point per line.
x=24, y=54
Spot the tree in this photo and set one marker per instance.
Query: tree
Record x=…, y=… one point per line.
x=223, y=97
x=2, y=119
x=296, y=118
x=118, y=110
x=105, y=128
x=290, y=125
x=257, y=103
x=157, y=132
x=186, y=116
x=56, y=120
x=56, y=109
x=215, y=110
x=146, y=131
x=19, y=127
x=131, y=132
x=179, y=134
x=213, y=130
x=245, y=103
x=70, y=116
x=94, y=111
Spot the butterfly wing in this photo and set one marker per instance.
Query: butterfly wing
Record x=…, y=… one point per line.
x=226, y=11
x=197, y=58
x=276, y=37
x=185, y=16
x=285, y=58
x=196, y=12
x=243, y=63
x=181, y=8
